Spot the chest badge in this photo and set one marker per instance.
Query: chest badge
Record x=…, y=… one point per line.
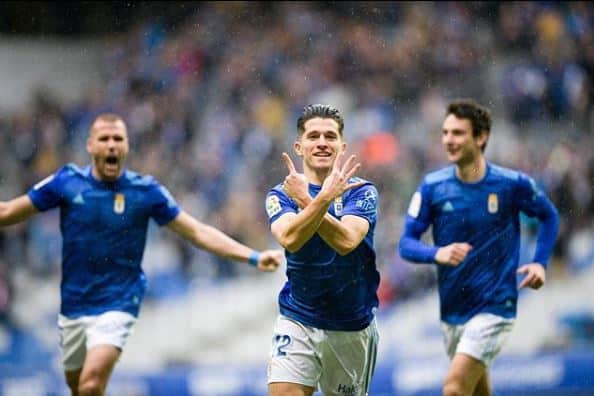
x=119, y=203
x=338, y=206
x=493, y=203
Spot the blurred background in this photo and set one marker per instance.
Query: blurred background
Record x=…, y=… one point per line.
x=211, y=93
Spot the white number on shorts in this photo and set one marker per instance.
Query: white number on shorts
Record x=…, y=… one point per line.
x=281, y=341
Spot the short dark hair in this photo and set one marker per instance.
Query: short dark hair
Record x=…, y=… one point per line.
x=319, y=110
x=478, y=115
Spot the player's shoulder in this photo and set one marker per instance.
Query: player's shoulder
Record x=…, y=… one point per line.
x=278, y=189
x=440, y=175
x=503, y=172
x=366, y=185
x=72, y=169
x=137, y=179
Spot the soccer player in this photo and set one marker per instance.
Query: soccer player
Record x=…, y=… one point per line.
x=325, y=218
x=104, y=215
x=474, y=207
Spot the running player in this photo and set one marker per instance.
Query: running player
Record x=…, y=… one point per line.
x=104, y=214
x=474, y=207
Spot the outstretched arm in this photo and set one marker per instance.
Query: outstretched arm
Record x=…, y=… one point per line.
x=215, y=241
x=16, y=210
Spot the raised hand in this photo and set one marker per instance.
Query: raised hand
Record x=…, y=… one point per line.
x=337, y=181
x=535, y=275
x=296, y=185
x=269, y=260
x=453, y=254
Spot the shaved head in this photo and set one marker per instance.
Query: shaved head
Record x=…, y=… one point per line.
x=109, y=118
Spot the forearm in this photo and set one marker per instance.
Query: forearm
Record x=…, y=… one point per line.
x=547, y=234
x=337, y=235
x=305, y=224
x=16, y=210
x=413, y=249
x=215, y=241
x=332, y=231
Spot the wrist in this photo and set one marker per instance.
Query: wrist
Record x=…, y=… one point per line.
x=254, y=258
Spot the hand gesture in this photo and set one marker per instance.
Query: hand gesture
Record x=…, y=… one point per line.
x=296, y=185
x=337, y=182
x=269, y=260
x=452, y=254
x=535, y=275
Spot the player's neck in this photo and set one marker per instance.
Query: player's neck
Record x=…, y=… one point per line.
x=472, y=171
x=316, y=177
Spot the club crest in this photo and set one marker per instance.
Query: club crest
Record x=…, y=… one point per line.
x=493, y=203
x=338, y=206
x=119, y=203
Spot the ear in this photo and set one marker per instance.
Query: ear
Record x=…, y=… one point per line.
x=89, y=145
x=298, y=148
x=482, y=138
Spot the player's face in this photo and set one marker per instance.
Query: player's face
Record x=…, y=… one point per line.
x=460, y=145
x=108, y=146
x=320, y=143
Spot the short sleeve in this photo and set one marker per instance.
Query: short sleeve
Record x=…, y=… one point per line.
x=164, y=208
x=363, y=202
x=46, y=194
x=277, y=204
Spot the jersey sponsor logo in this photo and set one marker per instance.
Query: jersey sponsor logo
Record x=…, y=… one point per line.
x=338, y=206
x=119, y=203
x=78, y=199
x=415, y=205
x=493, y=203
x=273, y=206
x=44, y=182
x=447, y=207
x=368, y=202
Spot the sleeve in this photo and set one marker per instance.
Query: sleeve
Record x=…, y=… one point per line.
x=277, y=204
x=418, y=220
x=164, y=208
x=363, y=202
x=532, y=201
x=47, y=193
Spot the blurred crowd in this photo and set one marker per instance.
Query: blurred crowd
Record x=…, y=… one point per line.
x=211, y=102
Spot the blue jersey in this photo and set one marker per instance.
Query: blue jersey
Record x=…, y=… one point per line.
x=103, y=227
x=484, y=214
x=325, y=290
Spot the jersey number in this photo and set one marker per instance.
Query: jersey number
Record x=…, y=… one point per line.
x=280, y=342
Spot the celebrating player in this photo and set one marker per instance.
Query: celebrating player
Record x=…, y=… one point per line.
x=474, y=208
x=104, y=214
x=325, y=218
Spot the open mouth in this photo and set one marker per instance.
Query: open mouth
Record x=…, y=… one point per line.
x=111, y=160
x=323, y=155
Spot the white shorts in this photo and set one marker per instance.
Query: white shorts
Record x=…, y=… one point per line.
x=481, y=337
x=83, y=333
x=339, y=362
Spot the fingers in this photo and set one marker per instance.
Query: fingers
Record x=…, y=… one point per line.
x=336, y=166
x=527, y=281
x=348, y=163
x=354, y=185
x=535, y=278
x=355, y=168
x=289, y=162
x=523, y=269
x=270, y=260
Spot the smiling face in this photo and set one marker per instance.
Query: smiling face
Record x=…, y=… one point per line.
x=461, y=146
x=108, y=146
x=319, y=144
